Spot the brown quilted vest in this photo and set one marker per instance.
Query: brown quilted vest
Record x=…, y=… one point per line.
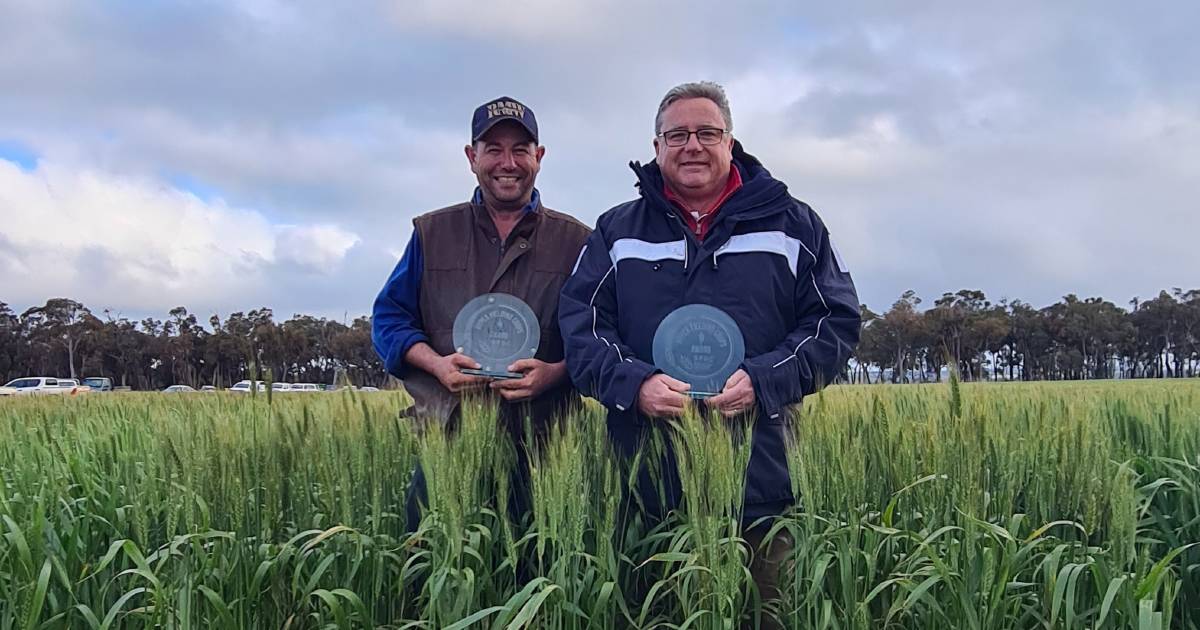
x=464, y=258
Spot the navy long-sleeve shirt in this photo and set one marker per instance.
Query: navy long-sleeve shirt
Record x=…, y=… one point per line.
x=396, y=317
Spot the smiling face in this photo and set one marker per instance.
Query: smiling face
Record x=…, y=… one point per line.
x=506, y=161
x=694, y=170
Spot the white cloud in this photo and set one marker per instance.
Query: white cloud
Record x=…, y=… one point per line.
x=526, y=20
x=132, y=243
x=1060, y=157
x=314, y=247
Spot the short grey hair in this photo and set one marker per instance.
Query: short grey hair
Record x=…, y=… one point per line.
x=698, y=89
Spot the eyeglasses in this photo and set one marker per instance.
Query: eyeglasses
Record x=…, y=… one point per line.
x=705, y=135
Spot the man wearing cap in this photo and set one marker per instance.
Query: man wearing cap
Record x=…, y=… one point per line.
x=501, y=241
x=711, y=227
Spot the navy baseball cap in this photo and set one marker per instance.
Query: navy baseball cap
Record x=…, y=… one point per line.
x=500, y=109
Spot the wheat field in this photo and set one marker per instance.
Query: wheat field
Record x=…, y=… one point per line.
x=1070, y=505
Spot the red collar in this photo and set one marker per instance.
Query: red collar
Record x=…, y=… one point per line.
x=700, y=222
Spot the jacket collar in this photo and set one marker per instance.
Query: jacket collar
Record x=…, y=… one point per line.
x=534, y=205
x=752, y=200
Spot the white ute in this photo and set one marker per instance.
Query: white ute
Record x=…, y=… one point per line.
x=243, y=387
x=31, y=385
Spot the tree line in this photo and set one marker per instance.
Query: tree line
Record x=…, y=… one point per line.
x=1074, y=338
x=64, y=338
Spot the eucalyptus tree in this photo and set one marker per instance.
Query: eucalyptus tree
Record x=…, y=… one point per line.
x=61, y=323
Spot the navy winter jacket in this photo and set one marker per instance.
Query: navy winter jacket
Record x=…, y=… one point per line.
x=766, y=261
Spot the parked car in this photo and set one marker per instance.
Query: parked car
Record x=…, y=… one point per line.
x=28, y=385
x=72, y=386
x=179, y=389
x=208, y=388
x=243, y=387
x=42, y=385
x=99, y=383
x=281, y=387
x=306, y=387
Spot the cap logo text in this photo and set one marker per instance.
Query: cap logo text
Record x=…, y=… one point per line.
x=505, y=108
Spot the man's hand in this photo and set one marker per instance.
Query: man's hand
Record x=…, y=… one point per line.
x=736, y=398
x=448, y=370
x=539, y=377
x=662, y=396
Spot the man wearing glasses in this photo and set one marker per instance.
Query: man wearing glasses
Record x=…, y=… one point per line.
x=711, y=226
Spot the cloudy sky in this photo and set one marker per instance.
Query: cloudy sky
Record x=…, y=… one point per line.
x=230, y=155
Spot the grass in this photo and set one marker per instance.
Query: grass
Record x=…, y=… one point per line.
x=991, y=506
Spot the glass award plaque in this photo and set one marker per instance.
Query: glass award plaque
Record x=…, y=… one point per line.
x=496, y=329
x=700, y=345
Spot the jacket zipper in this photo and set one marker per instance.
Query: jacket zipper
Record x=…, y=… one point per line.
x=687, y=236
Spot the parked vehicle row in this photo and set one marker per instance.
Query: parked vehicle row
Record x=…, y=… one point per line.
x=37, y=385
x=245, y=386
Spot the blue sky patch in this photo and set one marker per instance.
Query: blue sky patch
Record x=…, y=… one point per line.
x=19, y=154
x=190, y=184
